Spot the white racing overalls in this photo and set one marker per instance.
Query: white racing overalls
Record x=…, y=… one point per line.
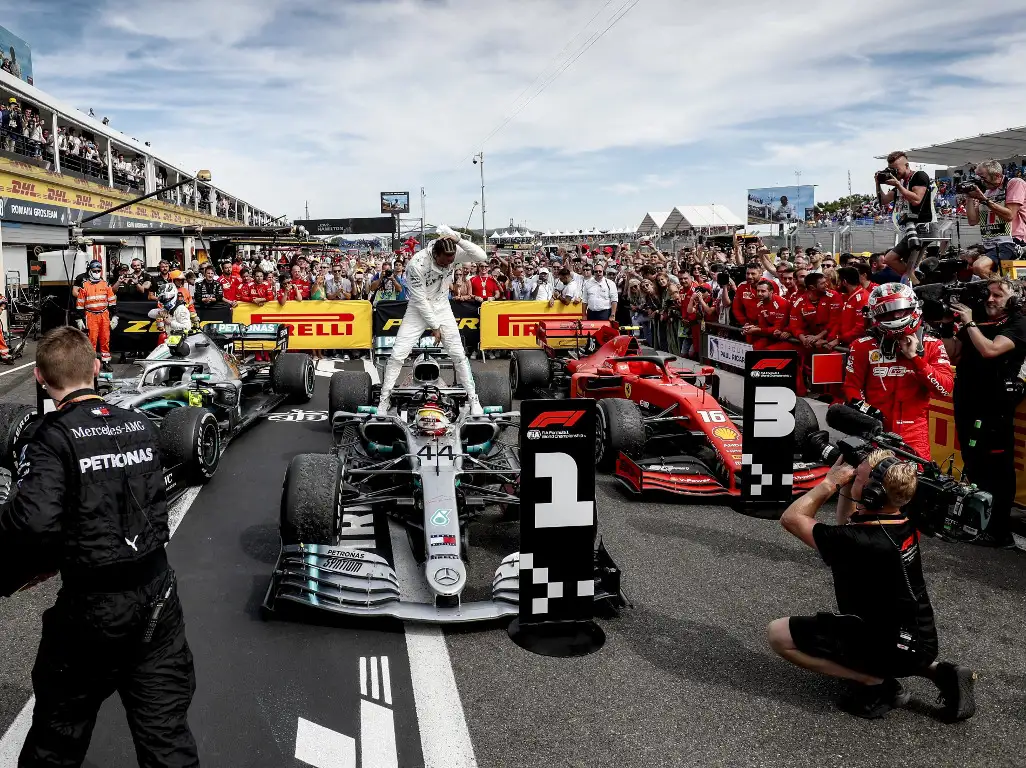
x=427, y=289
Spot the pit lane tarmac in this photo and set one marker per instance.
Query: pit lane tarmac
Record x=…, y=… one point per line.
x=685, y=678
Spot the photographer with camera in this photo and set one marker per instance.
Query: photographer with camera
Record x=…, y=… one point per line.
x=897, y=368
x=884, y=628
x=995, y=203
x=988, y=355
x=89, y=498
x=914, y=211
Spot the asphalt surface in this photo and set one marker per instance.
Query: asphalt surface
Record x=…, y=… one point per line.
x=685, y=677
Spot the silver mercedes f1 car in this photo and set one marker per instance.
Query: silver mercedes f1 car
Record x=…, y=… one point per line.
x=430, y=466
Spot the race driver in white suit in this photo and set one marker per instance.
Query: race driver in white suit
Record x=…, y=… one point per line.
x=428, y=279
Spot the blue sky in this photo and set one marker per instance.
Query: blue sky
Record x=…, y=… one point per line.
x=679, y=103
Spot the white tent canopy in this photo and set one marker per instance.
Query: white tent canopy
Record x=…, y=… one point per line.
x=998, y=146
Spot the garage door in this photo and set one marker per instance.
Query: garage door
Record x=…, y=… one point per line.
x=33, y=234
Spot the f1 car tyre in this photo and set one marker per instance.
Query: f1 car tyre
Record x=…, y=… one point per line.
x=493, y=389
x=13, y=418
x=805, y=423
x=190, y=437
x=528, y=370
x=618, y=427
x=308, y=500
x=348, y=390
x=293, y=375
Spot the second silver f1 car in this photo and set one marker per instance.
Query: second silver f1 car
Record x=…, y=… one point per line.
x=430, y=466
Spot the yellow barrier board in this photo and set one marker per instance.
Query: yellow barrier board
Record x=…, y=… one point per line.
x=315, y=324
x=511, y=324
x=944, y=441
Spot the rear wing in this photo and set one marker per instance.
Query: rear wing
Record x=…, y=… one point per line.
x=239, y=334
x=576, y=333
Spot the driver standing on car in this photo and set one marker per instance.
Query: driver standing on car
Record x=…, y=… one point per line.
x=428, y=279
x=90, y=494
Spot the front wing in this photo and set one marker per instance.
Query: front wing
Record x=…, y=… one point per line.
x=687, y=476
x=358, y=583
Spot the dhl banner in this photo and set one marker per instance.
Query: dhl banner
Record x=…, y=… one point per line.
x=511, y=324
x=315, y=324
x=944, y=441
x=59, y=200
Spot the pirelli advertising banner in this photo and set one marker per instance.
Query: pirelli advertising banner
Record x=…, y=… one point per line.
x=511, y=324
x=388, y=317
x=315, y=324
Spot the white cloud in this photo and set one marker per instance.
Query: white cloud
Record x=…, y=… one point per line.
x=294, y=101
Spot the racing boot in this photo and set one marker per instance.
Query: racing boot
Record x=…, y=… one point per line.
x=384, y=405
x=475, y=405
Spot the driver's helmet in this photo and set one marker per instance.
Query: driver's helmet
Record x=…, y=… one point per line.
x=168, y=297
x=431, y=419
x=894, y=310
x=95, y=271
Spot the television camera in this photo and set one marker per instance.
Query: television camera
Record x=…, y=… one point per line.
x=942, y=506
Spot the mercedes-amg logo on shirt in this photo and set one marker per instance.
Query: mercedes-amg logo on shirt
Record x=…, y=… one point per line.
x=447, y=577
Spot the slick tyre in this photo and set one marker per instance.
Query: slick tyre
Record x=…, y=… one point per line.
x=293, y=375
x=309, y=500
x=13, y=420
x=618, y=427
x=493, y=389
x=190, y=437
x=528, y=371
x=805, y=423
x=347, y=391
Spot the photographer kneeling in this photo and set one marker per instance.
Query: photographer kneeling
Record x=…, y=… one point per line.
x=884, y=628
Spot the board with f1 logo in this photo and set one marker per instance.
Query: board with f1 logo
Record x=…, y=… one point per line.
x=557, y=510
x=767, y=447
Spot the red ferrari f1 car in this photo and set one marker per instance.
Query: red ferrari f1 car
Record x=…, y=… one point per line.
x=660, y=427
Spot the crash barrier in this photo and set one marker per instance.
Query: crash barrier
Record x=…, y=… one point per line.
x=557, y=529
x=511, y=324
x=722, y=346
x=315, y=324
x=137, y=333
x=388, y=317
x=944, y=445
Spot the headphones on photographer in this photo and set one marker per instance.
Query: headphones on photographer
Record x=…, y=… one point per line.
x=874, y=495
x=1015, y=301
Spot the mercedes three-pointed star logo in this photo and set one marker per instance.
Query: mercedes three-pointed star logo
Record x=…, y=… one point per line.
x=447, y=577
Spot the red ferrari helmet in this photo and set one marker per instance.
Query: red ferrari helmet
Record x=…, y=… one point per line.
x=894, y=309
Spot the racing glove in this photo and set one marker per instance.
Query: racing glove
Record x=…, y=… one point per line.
x=114, y=322
x=448, y=232
x=80, y=323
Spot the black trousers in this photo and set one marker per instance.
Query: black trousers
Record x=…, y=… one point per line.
x=91, y=648
x=598, y=314
x=986, y=434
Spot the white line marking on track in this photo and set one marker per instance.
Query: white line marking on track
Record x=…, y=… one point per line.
x=363, y=675
x=13, y=740
x=324, y=748
x=377, y=736
x=11, y=743
x=18, y=368
x=444, y=737
x=386, y=680
x=375, y=685
x=373, y=371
